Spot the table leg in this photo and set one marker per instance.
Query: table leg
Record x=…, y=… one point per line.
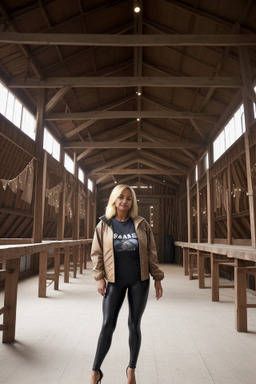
x=240, y=299
x=10, y=299
x=185, y=261
x=43, y=256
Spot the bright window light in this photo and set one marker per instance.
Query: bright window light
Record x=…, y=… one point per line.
x=17, y=113
x=81, y=175
x=231, y=132
x=90, y=185
x=69, y=163
x=207, y=161
x=28, y=123
x=10, y=106
x=51, y=145
x=196, y=173
x=3, y=98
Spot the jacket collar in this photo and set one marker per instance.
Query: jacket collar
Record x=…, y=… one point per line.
x=137, y=220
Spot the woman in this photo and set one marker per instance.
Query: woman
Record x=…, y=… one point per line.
x=123, y=255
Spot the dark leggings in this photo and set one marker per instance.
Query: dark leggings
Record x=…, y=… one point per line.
x=112, y=303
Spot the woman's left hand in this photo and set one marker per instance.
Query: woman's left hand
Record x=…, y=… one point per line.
x=159, y=289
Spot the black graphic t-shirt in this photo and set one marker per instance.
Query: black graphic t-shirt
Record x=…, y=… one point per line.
x=126, y=250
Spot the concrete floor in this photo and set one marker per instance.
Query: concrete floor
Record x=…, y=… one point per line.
x=187, y=339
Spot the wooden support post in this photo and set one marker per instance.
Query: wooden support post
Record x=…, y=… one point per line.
x=66, y=264
x=42, y=273
x=214, y=278
x=189, y=221
x=39, y=200
x=41, y=169
x=248, y=96
x=185, y=261
x=229, y=212
x=61, y=215
x=10, y=299
x=210, y=224
x=192, y=258
x=240, y=299
x=81, y=257
x=75, y=257
x=200, y=269
x=198, y=208
x=56, y=268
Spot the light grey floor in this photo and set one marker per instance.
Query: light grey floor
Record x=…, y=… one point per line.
x=187, y=339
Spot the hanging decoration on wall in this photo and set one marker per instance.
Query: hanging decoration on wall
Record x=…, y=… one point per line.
x=53, y=196
x=82, y=205
x=24, y=181
x=220, y=195
x=69, y=202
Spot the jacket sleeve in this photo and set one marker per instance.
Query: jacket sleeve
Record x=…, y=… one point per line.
x=98, y=270
x=154, y=270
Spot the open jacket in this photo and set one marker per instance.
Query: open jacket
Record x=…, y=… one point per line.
x=102, y=252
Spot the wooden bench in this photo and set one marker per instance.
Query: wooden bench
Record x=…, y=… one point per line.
x=10, y=255
x=236, y=256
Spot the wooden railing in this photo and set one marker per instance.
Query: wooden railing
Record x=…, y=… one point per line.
x=10, y=253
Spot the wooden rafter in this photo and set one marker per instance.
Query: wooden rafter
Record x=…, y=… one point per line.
x=120, y=82
x=111, y=40
x=96, y=115
x=131, y=145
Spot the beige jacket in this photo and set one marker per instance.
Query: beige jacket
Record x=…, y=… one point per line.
x=102, y=252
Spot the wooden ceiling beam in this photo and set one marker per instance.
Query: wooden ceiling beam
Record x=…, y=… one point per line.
x=87, y=124
x=168, y=163
x=131, y=145
x=131, y=81
x=126, y=135
x=56, y=98
x=172, y=185
x=141, y=171
x=136, y=40
x=106, y=175
x=98, y=115
x=125, y=160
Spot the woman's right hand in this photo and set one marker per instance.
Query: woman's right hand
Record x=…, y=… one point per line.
x=102, y=287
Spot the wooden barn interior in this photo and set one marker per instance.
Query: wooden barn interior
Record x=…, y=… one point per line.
x=159, y=95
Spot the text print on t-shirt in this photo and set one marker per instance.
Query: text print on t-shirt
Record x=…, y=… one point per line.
x=128, y=242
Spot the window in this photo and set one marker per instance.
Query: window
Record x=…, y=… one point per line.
x=51, y=145
x=14, y=111
x=90, y=185
x=10, y=107
x=81, y=175
x=3, y=98
x=206, y=161
x=28, y=124
x=231, y=132
x=69, y=163
x=196, y=173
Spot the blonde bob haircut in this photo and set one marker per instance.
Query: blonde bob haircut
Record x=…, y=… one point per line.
x=116, y=192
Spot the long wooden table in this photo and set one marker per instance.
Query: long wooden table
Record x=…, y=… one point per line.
x=241, y=257
x=10, y=255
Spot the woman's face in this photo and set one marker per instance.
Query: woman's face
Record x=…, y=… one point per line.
x=124, y=201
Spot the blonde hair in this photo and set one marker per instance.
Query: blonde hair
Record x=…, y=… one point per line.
x=111, y=208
